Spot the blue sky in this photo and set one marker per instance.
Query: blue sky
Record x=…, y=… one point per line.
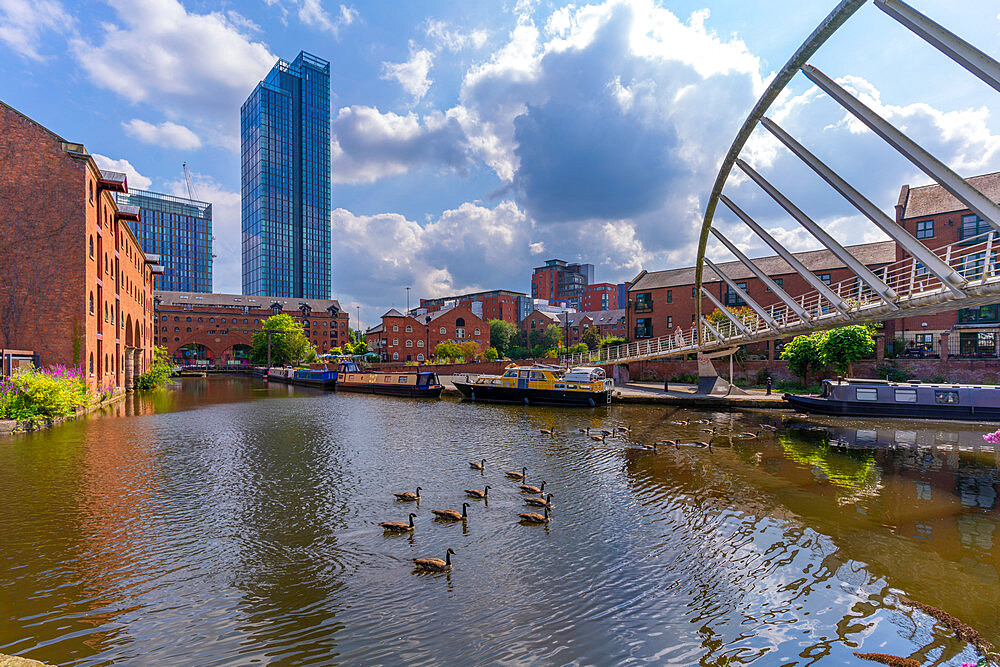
x=473, y=141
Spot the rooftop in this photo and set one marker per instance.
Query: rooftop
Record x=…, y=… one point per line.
x=932, y=199
x=870, y=254
x=167, y=298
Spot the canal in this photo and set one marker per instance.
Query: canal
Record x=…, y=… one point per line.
x=226, y=522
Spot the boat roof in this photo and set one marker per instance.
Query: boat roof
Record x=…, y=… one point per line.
x=911, y=383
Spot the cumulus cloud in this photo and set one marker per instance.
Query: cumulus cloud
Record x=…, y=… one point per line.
x=166, y=134
x=311, y=12
x=135, y=179
x=412, y=75
x=370, y=145
x=187, y=64
x=445, y=36
x=23, y=23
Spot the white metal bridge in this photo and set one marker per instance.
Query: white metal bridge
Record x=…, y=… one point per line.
x=960, y=275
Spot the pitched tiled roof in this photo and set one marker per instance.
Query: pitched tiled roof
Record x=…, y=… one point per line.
x=871, y=254
x=933, y=199
x=240, y=300
x=394, y=313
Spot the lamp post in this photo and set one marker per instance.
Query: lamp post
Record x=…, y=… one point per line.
x=407, y=301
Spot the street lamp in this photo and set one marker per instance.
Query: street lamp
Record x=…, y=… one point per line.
x=407, y=300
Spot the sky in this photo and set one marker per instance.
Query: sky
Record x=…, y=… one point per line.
x=472, y=141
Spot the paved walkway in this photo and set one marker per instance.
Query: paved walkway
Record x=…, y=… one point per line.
x=679, y=394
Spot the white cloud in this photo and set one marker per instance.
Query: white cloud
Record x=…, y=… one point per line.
x=135, y=179
x=311, y=12
x=412, y=75
x=166, y=134
x=452, y=39
x=24, y=22
x=188, y=65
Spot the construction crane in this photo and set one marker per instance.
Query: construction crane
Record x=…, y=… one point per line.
x=187, y=179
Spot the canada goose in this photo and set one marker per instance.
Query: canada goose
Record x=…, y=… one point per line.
x=708, y=430
x=624, y=429
x=398, y=526
x=527, y=488
x=407, y=496
x=583, y=430
x=701, y=421
x=546, y=431
x=708, y=444
x=650, y=448
x=598, y=438
x=606, y=432
x=668, y=442
x=476, y=493
x=680, y=422
x=452, y=515
x=768, y=427
x=748, y=434
x=517, y=475
x=539, y=502
x=477, y=466
x=535, y=517
x=434, y=564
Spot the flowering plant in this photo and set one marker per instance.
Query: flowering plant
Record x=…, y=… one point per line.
x=992, y=437
x=52, y=391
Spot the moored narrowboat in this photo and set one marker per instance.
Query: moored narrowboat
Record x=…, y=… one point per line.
x=902, y=400
x=540, y=384
x=414, y=384
x=322, y=379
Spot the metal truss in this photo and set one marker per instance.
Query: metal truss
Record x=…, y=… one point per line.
x=960, y=275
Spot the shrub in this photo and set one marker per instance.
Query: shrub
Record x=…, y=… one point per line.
x=804, y=354
x=491, y=354
x=685, y=378
x=611, y=341
x=763, y=375
x=51, y=392
x=892, y=374
x=159, y=374
x=579, y=348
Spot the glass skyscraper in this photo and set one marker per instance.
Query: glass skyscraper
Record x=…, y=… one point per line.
x=285, y=137
x=179, y=230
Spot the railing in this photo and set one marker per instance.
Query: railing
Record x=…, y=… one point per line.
x=915, y=288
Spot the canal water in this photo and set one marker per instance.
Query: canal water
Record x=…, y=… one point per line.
x=226, y=522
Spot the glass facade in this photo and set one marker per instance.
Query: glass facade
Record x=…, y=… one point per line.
x=179, y=230
x=285, y=142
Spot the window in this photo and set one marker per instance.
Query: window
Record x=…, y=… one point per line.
x=91, y=306
x=973, y=226
x=402, y=379
x=90, y=187
x=395, y=341
x=733, y=297
x=459, y=333
x=670, y=321
x=441, y=330
x=420, y=357
x=906, y=395
x=409, y=343
x=644, y=302
x=692, y=292
x=395, y=356
x=924, y=341
x=670, y=296
x=92, y=246
x=824, y=278
x=420, y=343
x=409, y=329
x=395, y=327
x=478, y=333
x=866, y=394
x=946, y=397
x=982, y=314
x=925, y=229
x=91, y=363
x=209, y=319
x=779, y=282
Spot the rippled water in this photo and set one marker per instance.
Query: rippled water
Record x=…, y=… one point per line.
x=226, y=522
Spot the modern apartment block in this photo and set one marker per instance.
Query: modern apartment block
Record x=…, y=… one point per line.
x=285, y=143
x=496, y=304
x=179, y=230
x=559, y=281
x=600, y=296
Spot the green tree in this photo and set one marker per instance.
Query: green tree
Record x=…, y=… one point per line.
x=517, y=352
x=843, y=346
x=803, y=354
x=503, y=335
x=611, y=341
x=447, y=351
x=591, y=338
x=288, y=343
x=336, y=351
x=491, y=354
x=551, y=338
x=534, y=338
x=579, y=348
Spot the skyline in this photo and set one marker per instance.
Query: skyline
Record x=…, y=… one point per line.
x=465, y=143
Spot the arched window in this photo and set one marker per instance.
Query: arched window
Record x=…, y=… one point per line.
x=409, y=343
x=441, y=330
x=409, y=329
x=105, y=311
x=420, y=343
x=105, y=262
x=460, y=322
x=106, y=366
x=91, y=309
x=91, y=186
x=395, y=356
x=420, y=357
x=189, y=329
x=92, y=246
x=91, y=363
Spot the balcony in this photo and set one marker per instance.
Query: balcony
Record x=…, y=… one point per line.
x=644, y=332
x=643, y=307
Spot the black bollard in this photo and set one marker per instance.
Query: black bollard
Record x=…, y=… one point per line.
x=769, y=382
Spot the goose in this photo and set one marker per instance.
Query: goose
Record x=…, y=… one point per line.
x=598, y=438
x=606, y=432
x=535, y=517
x=434, y=564
x=452, y=515
x=680, y=422
x=668, y=442
x=624, y=429
x=527, y=488
x=517, y=475
x=476, y=493
x=748, y=434
x=398, y=526
x=701, y=421
x=477, y=466
x=768, y=427
x=539, y=502
x=702, y=443
x=546, y=431
x=406, y=496
x=583, y=430
x=709, y=430
x=650, y=448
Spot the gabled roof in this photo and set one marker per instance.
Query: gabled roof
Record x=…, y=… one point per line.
x=870, y=254
x=603, y=317
x=932, y=199
x=394, y=313
x=374, y=330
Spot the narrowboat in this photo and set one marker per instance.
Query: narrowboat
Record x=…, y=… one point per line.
x=902, y=400
x=583, y=386
x=415, y=384
x=322, y=379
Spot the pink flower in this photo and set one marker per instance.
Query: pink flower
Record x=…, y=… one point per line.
x=992, y=438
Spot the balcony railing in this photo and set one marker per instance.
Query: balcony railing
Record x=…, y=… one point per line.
x=643, y=307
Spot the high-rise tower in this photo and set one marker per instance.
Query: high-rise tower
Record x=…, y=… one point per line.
x=285, y=140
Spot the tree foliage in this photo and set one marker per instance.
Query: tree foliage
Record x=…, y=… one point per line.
x=591, y=338
x=491, y=354
x=447, y=351
x=611, y=341
x=470, y=350
x=551, y=338
x=288, y=342
x=503, y=335
x=843, y=346
x=579, y=348
x=803, y=354
x=159, y=373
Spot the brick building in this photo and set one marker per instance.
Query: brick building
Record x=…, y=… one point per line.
x=573, y=325
x=559, y=281
x=660, y=302
x=75, y=286
x=938, y=219
x=413, y=338
x=496, y=304
x=219, y=328
x=600, y=296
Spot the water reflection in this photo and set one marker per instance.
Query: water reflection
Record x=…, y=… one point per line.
x=232, y=522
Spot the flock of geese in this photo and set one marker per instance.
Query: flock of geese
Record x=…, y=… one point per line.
x=438, y=565
x=536, y=495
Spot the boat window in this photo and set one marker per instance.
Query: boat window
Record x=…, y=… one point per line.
x=598, y=374
x=946, y=397
x=867, y=394
x=537, y=375
x=497, y=381
x=510, y=374
x=522, y=374
x=571, y=386
x=388, y=378
x=906, y=395
x=560, y=385
x=402, y=379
